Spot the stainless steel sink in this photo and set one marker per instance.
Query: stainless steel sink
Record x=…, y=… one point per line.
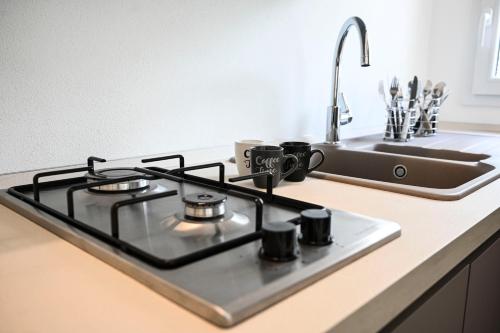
x=436, y=173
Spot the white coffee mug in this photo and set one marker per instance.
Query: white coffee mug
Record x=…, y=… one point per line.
x=242, y=154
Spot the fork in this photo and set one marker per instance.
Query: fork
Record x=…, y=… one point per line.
x=394, y=89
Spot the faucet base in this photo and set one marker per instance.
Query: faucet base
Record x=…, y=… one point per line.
x=338, y=144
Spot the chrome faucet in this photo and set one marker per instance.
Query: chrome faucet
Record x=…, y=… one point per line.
x=339, y=114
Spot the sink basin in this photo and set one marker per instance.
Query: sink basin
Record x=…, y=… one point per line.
x=438, y=174
x=445, y=154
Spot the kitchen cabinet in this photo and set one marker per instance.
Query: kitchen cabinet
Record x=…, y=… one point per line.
x=443, y=311
x=468, y=301
x=482, y=312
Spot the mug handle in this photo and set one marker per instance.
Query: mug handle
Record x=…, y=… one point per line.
x=316, y=151
x=294, y=166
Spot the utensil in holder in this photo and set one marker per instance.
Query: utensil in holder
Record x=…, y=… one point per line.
x=401, y=120
x=427, y=123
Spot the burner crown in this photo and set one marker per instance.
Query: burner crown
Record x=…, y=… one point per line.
x=117, y=173
x=205, y=205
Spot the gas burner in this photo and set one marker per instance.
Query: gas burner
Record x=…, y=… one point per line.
x=115, y=173
x=227, y=224
x=205, y=214
x=207, y=205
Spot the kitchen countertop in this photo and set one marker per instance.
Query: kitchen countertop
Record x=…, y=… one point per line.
x=49, y=285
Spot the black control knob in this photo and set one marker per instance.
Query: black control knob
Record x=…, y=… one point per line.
x=315, y=227
x=279, y=242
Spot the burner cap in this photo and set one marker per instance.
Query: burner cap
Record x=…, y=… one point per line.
x=205, y=205
x=115, y=173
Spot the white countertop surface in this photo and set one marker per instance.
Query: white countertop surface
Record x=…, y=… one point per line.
x=49, y=285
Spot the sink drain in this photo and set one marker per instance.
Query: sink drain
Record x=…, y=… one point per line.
x=400, y=171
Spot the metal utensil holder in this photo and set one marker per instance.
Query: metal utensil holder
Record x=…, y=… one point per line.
x=427, y=123
x=401, y=121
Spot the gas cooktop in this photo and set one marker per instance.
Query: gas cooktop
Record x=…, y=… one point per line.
x=220, y=250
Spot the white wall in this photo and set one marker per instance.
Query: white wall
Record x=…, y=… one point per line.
x=451, y=59
x=126, y=78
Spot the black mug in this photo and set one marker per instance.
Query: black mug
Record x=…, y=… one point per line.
x=273, y=159
x=303, y=152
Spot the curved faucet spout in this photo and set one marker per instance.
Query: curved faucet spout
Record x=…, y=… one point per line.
x=363, y=38
x=334, y=116
x=364, y=48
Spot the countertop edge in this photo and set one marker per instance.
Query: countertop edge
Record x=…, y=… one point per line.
x=390, y=303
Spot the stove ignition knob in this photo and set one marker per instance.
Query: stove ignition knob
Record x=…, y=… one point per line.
x=279, y=242
x=315, y=227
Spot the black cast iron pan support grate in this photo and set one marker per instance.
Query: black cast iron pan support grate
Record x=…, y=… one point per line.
x=80, y=183
x=113, y=238
x=36, y=178
x=269, y=182
x=164, y=158
x=219, y=165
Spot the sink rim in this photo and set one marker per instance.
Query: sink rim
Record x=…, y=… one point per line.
x=370, y=148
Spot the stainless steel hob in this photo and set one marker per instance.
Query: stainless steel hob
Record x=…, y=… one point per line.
x=222, y=251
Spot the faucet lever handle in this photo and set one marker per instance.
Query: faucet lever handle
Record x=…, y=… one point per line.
x=345, y=112
x=340, y=113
